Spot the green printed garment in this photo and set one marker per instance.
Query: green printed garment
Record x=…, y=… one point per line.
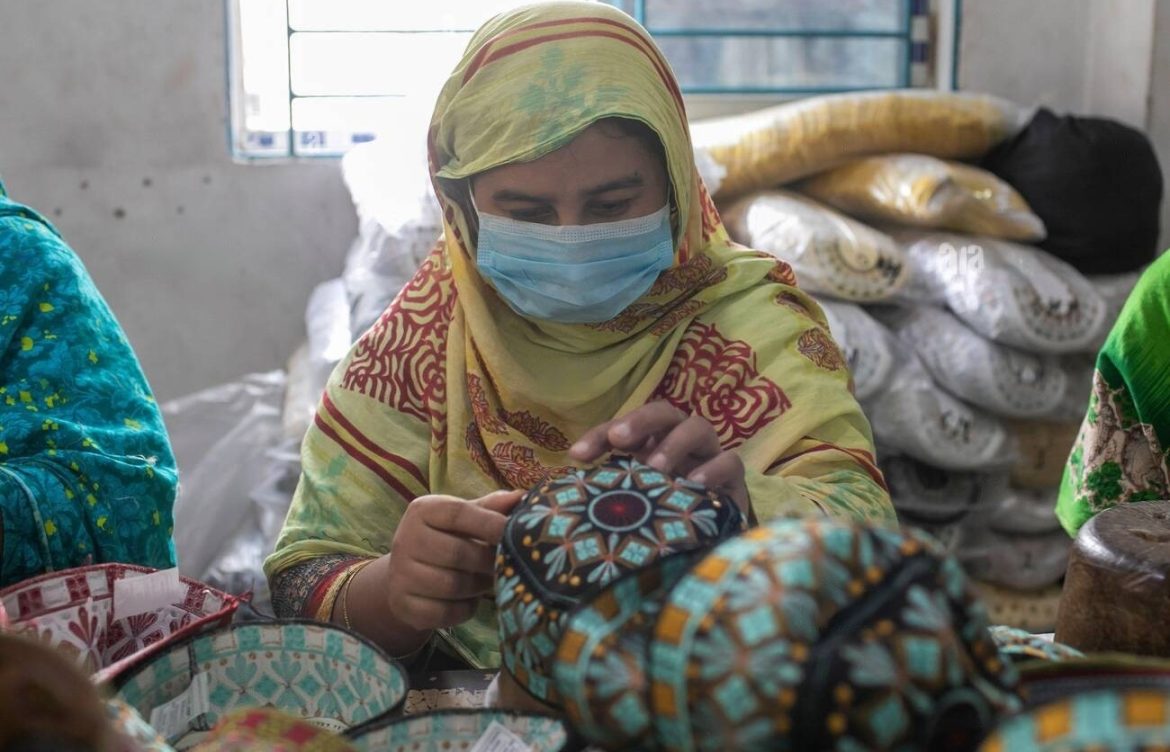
x=86, y=471
x=1122, y=452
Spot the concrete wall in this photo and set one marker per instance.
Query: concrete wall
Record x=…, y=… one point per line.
x=112, y=124
x=1029, y=51
x=1098, y=57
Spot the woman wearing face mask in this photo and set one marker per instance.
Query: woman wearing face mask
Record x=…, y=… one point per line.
x=584, y=299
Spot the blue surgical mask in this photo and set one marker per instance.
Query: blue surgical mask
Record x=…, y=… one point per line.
x=574, y=274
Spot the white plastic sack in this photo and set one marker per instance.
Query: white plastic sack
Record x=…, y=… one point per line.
x=831, y=254
x=1115, y=290
x=221, y=438
x=1017, y=541
x=863, y=342
x=1020, y=562
x=1026, y=512
x=1010, y=293
x=399, y=219
x=915, y=417
x=941, y=502
x=1075, y=403
x=327, y=323
x=996, y=377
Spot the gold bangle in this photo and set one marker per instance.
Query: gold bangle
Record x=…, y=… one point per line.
x=325, y=607
x=343, y=592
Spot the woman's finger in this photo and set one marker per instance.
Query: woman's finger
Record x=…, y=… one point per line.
x=725, y=473
x=592, y=444
x=689, y=445
x=460, y=518
x=441, y=584
x=650, y=421
x=500, y=502
x=440, y=549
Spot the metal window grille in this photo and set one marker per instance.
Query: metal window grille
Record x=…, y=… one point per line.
x=311, y=78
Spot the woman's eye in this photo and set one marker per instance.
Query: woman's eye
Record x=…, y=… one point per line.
x=532, y=215
x=610, y=208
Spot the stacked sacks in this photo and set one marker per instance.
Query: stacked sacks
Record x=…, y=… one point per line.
x=923, y=191
x=943, y=459
x=832, y=254
x=979, y=361
x=1014, y=337
x=778, y=145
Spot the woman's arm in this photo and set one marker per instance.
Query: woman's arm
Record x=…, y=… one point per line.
x=86, y=471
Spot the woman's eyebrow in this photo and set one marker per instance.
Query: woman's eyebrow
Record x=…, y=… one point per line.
x=629, y=181
x=507, y=194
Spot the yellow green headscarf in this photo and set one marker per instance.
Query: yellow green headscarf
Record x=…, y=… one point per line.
x=452, y=392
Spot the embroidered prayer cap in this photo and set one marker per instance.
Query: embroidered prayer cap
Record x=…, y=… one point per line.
x=1021, y=646
x=463, y=729
x=1129, y=720
x=800, y=634
x=308, y=670
x=577, y=533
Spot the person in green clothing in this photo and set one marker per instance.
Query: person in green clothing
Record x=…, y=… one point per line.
x=86, y=470
x=1122, y=453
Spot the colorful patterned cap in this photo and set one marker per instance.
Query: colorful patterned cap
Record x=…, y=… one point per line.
x=316, y=672
x=575, y=534
x=801, y=634
x=1130, y=720
x=1022, y=646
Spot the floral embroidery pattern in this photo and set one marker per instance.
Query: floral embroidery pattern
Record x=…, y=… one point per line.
x=710, y=214
x=585, y=529
x=518, y=465
x=665, y=317
x=675, y=316
x=481, y=408
x=695, y=274
x=560, y=95
x=781, y=271
x=1117, y=458
x=538, y=431
x=794, y=303
x=479, y=453
x=717, y=379
x=402, y=360
x=816, y=345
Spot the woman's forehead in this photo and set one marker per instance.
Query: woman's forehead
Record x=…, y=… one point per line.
x=601, y=156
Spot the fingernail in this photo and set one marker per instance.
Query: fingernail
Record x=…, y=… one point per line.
x=622, y=431
x=699, y=478
x=579, y=448
x=657, y=461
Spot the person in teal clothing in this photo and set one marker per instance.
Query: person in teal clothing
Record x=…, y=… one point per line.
x=86, y=470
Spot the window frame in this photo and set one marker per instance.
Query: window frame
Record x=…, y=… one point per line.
x=931, y=60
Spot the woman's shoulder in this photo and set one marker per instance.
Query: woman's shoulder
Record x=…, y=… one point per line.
x=32, y=253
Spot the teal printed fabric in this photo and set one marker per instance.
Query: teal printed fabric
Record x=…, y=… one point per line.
x=86, y=471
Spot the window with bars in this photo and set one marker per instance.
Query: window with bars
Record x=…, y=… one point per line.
x=311, y=78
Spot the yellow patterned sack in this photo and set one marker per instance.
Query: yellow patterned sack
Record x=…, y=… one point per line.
x=767, y=148
x=922, y=191
x=830, y=253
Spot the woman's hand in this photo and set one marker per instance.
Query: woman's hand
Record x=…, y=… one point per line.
x=670, y=441
x=441, y=564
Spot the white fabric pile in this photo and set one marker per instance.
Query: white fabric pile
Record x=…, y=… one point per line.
x=959, y=345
